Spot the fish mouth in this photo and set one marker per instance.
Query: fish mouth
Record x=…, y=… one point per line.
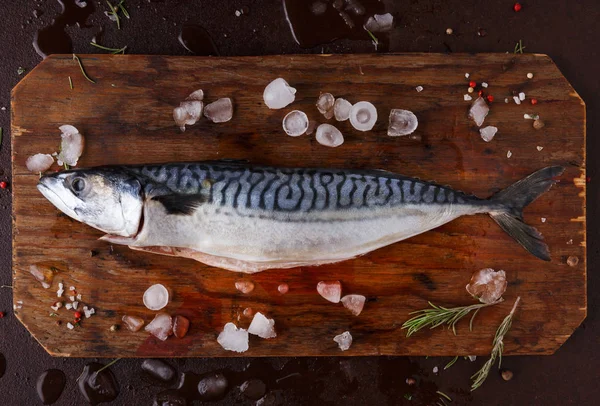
x=55, y=198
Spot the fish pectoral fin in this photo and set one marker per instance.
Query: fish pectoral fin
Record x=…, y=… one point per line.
x=181, y=204
x=117, y=239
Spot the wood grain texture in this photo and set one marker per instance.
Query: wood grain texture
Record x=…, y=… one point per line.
x=126, y=118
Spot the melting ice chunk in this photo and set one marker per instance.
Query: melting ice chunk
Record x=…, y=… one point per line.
x=363, y=116
x=71, y=145
x=262, y=327
x=329, y=136
x=161, y=327
x=219, y=111
x=479, y=110
x=402, y=122
x=187, y=113
x=380, y=23
x=344, y=340
x=39, y=162
x=233, y=338
x=354, y=303
x=295, y=123
x=278, y=94
x=325, y=104
x=244, y=286
x=341, y=109
x=156, y=297
x=487, y=285
x=196, y=95
x=331, y=291
x=132, y=323
x=488, y=133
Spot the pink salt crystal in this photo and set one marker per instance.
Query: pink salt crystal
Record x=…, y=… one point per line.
x=244, y=286
x=331, y=291
x=354, y=303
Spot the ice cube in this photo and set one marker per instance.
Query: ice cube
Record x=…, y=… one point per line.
x=71, y=145
x=295, y=123
x=262, y=327
x=219, y=111
x=344, y=340
x=488, y=133
x=161, y=326
x=156, y=297
x=402, y=122
x=329, y=136
x=380, y=22
x=331, y=291
x=325, y=104
x=187, y=113
x=233, y=338
x=354, y=303
x=278, y=94
x=244, y=286
x=363, y=116
x=39, y=162
x=487, y=285
x=478, y=111
x=196, y=95
x=311, y=127
x=181, y=325
x=341, y=109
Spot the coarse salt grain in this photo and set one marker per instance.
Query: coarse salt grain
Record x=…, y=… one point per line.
x=543, y=219
x=70, y=326
x=72, y=288
x=484, y=84
x=467, y=75
x=506, y=100
x=79, y=296
x=68, y=306
x=419, y=89
x=435, y=370
x=570, y=242
x=528, y=116
x=467, y=97
x=60, y=292
x=508, y=154
x=517, y=100
x=530, y=75
x=75, y=305
x=72, y=298
x=539, y=148
x=521, y=96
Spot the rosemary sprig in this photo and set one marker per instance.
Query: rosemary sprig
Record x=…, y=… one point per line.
x=519, y=47
x=497, y=347
x=123, y=9
x=76, y=58
x=373, y=38
x=111, y=363
x=115, y=13
x=111, y=50
x=70, y=83
x=444, y=395
x=438, y=315
x=449, y=364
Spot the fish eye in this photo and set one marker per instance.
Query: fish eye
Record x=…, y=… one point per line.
x=77, y=185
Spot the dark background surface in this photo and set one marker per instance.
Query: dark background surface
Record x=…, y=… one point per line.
x=565, y=30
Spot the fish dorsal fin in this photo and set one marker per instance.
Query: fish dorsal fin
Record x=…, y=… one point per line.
x=181, y=204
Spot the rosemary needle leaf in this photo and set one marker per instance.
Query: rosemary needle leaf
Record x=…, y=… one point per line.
x=70, y=83
x=111, y=363
x=497, y=348
x=449, y=364
x=444, y=395
x=75, y=57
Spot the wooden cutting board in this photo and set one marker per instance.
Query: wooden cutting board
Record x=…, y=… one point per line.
x=126, y=117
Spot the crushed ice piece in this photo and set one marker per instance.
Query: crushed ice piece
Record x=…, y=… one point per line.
x=419, y=89
x=517, y=100
x=487, y=285
x=354, y=303
x=341, y=109
x=521, y=96
x=401, y=122
x=278, y=94
x=196, y=95
x=508, y=154
x=570, y=242
x=39, y=162
x=467, y=75
x=329, y=136
x=467, y=97
x=343, y=340
x=219, y=111
x=488, y=133
x=478, y=111
x=543, y=219
x=187, y=113
x=132, y=323
x=156, y=297
x=435, y=369
x=233, y=338
x=363, y=116
x=262, y=327
x=161, y=326
x=244, y=286
x=311, y=127
x=71, y=145
x=484, y=84
x=530, y=75
x=472, y=358
x=331, y=291
x=325, y=104
x=539, y=148
x=295, y=123
x=380, y=23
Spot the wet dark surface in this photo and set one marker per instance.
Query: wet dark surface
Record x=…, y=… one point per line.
x=50, y=385
x=97, y=384
x=567, y=31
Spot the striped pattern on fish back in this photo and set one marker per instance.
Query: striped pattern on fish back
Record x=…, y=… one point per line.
x=296, y=189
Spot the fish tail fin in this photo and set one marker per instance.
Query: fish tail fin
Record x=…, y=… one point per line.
x=514, y=199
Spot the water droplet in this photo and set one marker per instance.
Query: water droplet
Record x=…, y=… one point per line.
x=196, y=39
x=50, y=385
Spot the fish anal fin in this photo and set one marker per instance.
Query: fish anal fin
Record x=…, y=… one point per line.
x=181, y=204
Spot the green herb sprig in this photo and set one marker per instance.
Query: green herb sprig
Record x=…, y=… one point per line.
x=111, y=50
x=114, y=11
x=449, y=364
x=497, y=347
x=76, y=58
x=438, y=315
x=519, y=47
x=111, y=363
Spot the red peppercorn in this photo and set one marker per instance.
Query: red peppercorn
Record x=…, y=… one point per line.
x=77, y=315
x=472, y=83
x=588, y=179
x=490, y=98
x=1, y=314
x=3, y=185
x=533, y=101
x=480, y=93
x=517, y=7
x=77, y=320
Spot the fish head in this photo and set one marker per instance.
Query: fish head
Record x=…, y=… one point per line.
x=106, y=199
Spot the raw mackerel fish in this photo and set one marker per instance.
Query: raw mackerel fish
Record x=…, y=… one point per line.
x=245, y=218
